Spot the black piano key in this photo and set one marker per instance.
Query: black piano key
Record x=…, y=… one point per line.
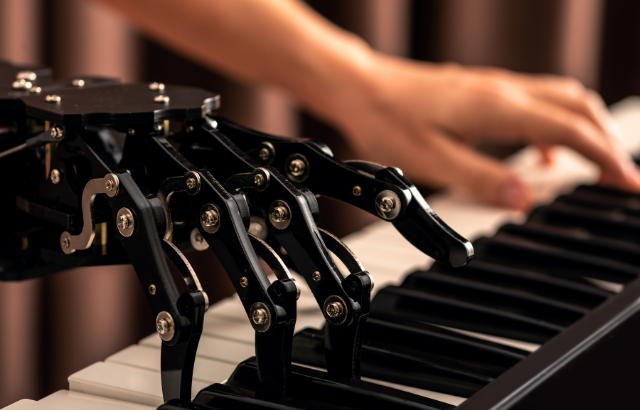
x=576, y=239
x=519, y=252
x=443, y=342
x=608, y=223
x=529, y=304
x=400, y=365
x=498, y=320
x=581, y=294
x=606, y=197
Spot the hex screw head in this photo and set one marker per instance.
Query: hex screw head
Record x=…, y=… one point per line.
x=152, y=289
x=210, y=218
x=161, y=99
x=244, y=281
x=52, y=98
x=387, y=204
x=258, y=179
x=316, y=276
x=259, y=316
x=125, y=222
x=334, y=309
x=66, y=242
x=55, y=176
x=279, y=214
x=191, y=183
x=165, y=326
x=357, y=191
x=264, y=154
x=162, y=326
x=297, y=167
x=110, y=186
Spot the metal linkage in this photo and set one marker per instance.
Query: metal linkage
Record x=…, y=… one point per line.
x=290, y=218
x=381, y=191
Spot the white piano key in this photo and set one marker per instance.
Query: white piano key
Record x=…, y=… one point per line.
x=80, y=401
x=223, y=350
x=32, y=405
x=206, y=369
x=127, y=383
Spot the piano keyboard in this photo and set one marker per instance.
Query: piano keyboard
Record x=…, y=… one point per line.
x=130, y=379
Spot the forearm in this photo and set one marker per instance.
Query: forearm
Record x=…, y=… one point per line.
x=277, y=42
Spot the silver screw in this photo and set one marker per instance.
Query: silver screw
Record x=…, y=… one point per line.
x=279, y=214
x=57, y=132
x=125, y=222
x=162, y=326
x=387, y=204
x=152, y=289
x=156, y=86
x=21, y=84
x=357, y=191
x=210, y=218
x=244, y=281
x=131, y=132
x=26, y=75
x=55, y=176
x=264, y=154
x=191, y=183
x=259, y=316
x=66, y=242
x=52, y=98
x=258, y=179
x=334, y=309
x=161, y=99
x=78, y=82
x=316, y=276
x=297, y=167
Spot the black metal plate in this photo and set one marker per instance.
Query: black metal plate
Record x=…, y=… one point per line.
x=121, y=105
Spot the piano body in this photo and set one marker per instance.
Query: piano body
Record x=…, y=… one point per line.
x=503, y=333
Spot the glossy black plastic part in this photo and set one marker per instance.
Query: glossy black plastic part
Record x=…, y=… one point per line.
x=416, y=221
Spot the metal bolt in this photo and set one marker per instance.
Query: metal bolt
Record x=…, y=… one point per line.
x=258, y=179
x=264, y=154
x=55, y=176
x=156, y=86
x=316, y=276
x=162, y=326
x=209, y=218
x=244, y=281
x=21, y=84
x=161, y=99
x=110, y=186
x=78, y=82
x=26, y=75
x=279, y=214
x=259, y=316
x=297, y=167
x=57, y=132
x=357, y=191
x=125, y=222
x=152, y=289
x=387, y=204
x=52, y=98
x=334, y=309
x=66, y=242
x=131, y=132
x=191, y=183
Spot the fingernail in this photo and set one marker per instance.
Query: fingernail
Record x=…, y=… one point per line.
x=513, y=194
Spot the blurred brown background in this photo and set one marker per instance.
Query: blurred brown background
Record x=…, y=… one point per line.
x=54, y=326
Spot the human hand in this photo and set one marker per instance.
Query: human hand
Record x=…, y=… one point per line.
x=422, y=118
